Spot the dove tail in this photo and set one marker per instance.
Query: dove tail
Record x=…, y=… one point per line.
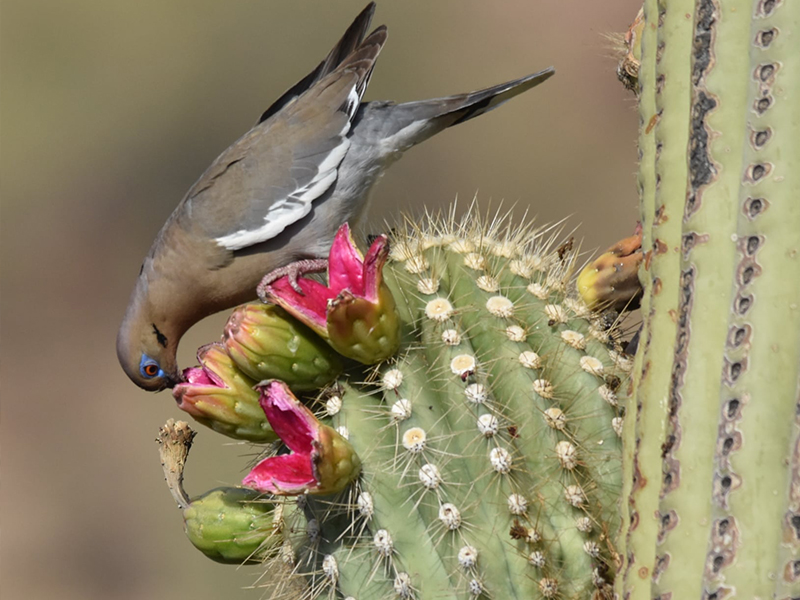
x=453, y=110
x=401, y=126
x=482, y=101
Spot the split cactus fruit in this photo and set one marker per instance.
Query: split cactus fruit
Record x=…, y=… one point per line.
x=483, y=455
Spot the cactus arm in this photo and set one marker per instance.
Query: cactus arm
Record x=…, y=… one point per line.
x=728, y=503
x=715, y=149
x=639, y=560
x=666, y=76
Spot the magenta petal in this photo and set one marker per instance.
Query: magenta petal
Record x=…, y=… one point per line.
x=345, y=264
x=311, y=304
x=290, y=420
x=196, y=376
x=285, y=473
x=314, y=293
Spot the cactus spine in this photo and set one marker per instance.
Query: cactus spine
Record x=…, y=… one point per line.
x=711, y=459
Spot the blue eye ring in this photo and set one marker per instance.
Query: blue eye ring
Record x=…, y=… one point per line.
x=149, y=368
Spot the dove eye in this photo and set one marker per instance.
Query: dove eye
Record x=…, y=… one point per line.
x=149, y=368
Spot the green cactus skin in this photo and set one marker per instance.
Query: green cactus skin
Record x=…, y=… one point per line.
x=520, y=505
x=231, y=525
x=713, y=450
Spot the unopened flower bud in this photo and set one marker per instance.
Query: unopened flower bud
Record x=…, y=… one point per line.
x=231, y=525
x=266, y=343
x=218, y=395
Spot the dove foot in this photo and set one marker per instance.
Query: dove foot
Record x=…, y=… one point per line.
x=292, y=271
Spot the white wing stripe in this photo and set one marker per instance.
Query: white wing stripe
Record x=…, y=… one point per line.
x=292, y=208
x=331, y=161
x=309, y=194
x=353, y=102
x=278, y=219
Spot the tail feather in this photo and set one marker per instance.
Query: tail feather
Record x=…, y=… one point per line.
x=463, y=107
x=398, y=127
x=483, y=101
x=349, y=42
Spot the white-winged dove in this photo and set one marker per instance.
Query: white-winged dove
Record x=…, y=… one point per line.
x=278, y=195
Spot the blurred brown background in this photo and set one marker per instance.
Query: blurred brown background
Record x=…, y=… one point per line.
x=111, y=109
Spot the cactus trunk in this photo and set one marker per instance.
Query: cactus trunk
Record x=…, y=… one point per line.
x=711, y=444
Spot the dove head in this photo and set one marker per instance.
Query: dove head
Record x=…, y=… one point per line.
x=147, y=344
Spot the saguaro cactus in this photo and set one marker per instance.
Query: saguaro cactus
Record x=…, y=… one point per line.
x=484, y=454
x=712, y=440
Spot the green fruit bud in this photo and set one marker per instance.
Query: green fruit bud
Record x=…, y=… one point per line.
x=232, y=525
x=266, y=343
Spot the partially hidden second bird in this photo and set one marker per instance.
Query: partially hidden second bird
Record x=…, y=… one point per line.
x=277, y=196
